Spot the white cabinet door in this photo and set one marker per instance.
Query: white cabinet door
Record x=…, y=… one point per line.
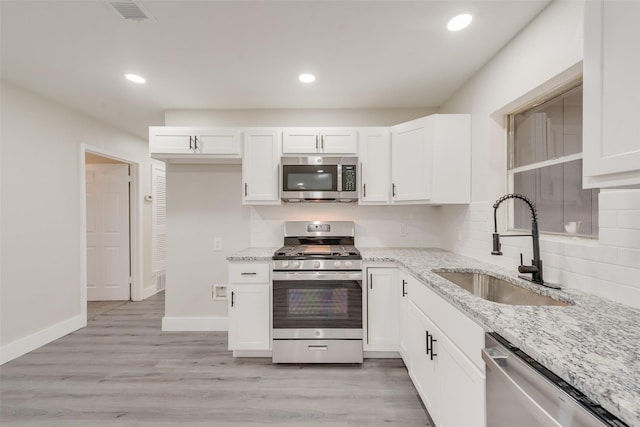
x=611, y=146
x=423, y=371
x=301, y=141
x=170, y=140
x=217, y=141
x=375, y=166
x=383, y=299
x=260, y=167
x=338, y=141
x=319, y=141
x=411, y=154
x=458, y=381
x=249, y=316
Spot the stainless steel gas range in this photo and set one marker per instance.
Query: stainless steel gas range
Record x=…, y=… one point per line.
x=317, y=294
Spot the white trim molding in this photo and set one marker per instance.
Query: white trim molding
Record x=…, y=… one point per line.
x=36, y=340
x=194, y=324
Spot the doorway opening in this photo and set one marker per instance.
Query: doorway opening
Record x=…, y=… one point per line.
x=110, y=230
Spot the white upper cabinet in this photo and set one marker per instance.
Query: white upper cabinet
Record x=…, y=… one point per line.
x=260, y=167
x=194, y=144
x=375, y=166
x=611, y=145
x=431, y=160
x=319, y=141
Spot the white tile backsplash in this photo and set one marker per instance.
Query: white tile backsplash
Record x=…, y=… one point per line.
x=376, y=226
x=608, y=266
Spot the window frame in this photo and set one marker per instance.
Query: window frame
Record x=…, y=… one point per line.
x=511, y=171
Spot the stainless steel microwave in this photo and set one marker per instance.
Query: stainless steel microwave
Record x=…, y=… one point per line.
x=319, y=179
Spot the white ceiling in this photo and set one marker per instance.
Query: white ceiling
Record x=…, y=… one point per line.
x=248, y=54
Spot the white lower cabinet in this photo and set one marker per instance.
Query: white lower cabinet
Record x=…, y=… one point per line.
x=383, y=303
x=451, y=385
x=249, y=297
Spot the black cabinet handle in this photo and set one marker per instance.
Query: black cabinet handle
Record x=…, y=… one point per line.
x=231, y=298
x=253, y=273
x=190, y=142
x=433, y=354
x=404, y=288
x=426, y=340
x=322, y=142
x=370, y=281
x=195, y=142
x=316, y=142
x=245, y=189
x=364, y=190
x=393, y=190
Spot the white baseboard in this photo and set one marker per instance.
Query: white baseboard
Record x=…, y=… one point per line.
x=36, y=340
x=381, y=355
x=150, y=291
x=194, y=324
x=252, y=353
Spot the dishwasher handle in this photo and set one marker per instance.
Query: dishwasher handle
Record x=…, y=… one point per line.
x=495, y=362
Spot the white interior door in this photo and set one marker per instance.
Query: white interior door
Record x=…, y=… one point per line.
x=108, y=261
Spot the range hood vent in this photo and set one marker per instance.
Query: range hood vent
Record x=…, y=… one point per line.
x=130, y=10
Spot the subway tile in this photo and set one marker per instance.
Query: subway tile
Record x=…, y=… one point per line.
x=619, y=199
x=629, y=219
x=629, y=257
x=608, y=219
x=624, y=238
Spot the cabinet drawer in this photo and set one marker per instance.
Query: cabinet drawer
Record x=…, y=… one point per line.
x=247, y=272
x=467, y=335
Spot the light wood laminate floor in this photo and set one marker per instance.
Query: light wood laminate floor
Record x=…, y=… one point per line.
x=121, y=370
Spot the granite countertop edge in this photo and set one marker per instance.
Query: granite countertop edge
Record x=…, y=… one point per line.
x=593, y=344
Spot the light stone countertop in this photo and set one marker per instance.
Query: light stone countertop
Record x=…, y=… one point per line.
x=594, y=344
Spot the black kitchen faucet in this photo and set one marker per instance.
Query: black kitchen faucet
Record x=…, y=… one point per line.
x=535, y=269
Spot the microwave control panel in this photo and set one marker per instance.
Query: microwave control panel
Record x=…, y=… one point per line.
x=349, y=178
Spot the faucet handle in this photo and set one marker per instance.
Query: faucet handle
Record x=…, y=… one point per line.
x=496, y=245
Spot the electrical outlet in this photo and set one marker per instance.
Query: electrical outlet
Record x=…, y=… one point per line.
x=217, y=243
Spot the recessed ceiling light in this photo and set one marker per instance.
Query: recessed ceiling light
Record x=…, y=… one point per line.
x=135, y=78
x=459, y=22
x=307, y=78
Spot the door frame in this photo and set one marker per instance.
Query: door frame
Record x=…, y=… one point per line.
x=135, y=221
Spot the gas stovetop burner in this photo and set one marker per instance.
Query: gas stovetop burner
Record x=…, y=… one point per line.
x=318, y=245
x=317, y=251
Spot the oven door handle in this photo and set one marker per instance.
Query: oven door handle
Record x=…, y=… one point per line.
x=317, y=275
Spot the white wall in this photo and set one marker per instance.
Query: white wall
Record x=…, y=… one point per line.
x=41, y=205
x=544, y=55
x=301, y=117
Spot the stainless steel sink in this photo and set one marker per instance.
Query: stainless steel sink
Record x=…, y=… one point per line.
x=493, y=289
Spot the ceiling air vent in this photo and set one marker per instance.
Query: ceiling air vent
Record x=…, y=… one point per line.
x=131, y=10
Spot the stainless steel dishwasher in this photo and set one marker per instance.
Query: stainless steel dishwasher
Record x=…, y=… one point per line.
x=521, y=392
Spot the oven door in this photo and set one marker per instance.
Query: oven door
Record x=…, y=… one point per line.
x=317, y=305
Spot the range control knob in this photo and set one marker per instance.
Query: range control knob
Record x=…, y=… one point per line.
x=337, y=264
x=285, y=264
x=295, y=264
x=348, y=263
x=316, y=264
